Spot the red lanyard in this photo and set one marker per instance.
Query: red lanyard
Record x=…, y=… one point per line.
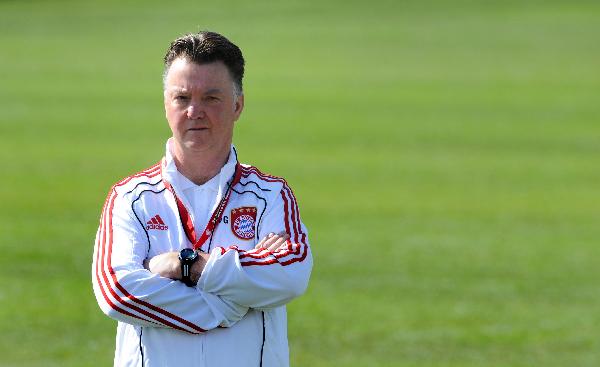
x=215, y=219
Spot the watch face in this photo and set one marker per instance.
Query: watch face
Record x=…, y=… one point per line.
x=187, y=254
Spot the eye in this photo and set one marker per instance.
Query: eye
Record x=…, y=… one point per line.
x=181, y=97
x=212, y=98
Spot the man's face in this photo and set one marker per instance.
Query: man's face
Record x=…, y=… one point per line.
x=200, y=105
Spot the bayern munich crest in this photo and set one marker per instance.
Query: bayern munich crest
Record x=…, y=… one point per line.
x=242, y=222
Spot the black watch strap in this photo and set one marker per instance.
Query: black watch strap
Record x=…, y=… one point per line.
x=185, y=274
x=188, y=257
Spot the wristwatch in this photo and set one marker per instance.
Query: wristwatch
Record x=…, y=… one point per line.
x=188, y=257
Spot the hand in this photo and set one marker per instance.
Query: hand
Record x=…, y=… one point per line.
x=273, y=241
x=168, y=265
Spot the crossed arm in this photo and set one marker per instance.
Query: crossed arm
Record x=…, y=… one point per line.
x=230, y=280
x=168, y=264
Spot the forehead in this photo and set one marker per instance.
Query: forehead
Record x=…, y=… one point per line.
x=186, y=74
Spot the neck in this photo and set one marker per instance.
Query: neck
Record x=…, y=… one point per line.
x=199, y=167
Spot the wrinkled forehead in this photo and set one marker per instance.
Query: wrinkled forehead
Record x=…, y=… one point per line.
x=183, y=68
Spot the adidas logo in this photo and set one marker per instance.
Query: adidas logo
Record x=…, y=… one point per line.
x=156, y=223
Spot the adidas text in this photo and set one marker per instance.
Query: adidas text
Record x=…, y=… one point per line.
x=160, y=227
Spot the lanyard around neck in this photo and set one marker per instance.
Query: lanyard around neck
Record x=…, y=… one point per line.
x=215, y=219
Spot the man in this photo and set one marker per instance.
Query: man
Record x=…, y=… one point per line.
x=197, y=256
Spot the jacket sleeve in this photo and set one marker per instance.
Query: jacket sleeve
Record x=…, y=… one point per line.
x=260, y=278
x=127, y=292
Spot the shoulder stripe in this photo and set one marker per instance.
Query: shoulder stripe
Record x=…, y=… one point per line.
x=248, y=170
x=149, y=172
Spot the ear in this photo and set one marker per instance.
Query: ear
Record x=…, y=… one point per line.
x=165, y=102
x=238, y=107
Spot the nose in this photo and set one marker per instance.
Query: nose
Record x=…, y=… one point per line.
x=195, y=112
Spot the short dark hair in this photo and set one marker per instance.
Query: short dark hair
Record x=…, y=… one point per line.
x=206, y=47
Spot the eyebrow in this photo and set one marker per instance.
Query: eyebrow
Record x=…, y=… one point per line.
x=185, y=90
x=214, y=91
x=178, y=90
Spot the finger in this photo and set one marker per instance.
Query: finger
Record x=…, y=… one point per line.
x=271, y=240
x=278, y=245
x=261, y=243
x=281, y=242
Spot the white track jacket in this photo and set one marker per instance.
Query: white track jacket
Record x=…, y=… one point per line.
x=236, y=315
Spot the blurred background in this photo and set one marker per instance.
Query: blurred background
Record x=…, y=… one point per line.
x=444, y=154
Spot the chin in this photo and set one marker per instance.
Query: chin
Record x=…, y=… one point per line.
x=205, y=145
x=196, y=146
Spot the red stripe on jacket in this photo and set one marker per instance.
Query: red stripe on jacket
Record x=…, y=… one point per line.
x=152, y=172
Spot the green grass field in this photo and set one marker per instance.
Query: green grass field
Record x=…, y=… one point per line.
x=445, y=155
